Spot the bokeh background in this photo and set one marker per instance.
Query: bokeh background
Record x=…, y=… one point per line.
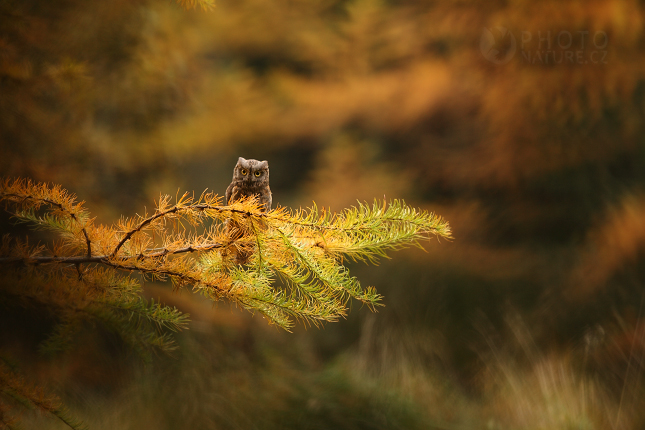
x=531, y=318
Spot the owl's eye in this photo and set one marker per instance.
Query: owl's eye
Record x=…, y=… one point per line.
x=244, y=172
x=257, y=173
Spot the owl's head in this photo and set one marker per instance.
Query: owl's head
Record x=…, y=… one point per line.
x=251, y=171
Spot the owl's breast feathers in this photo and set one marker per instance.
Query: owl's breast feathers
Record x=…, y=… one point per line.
x=237, y=190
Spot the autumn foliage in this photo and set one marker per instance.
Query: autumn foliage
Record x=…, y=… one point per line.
x=537, y=164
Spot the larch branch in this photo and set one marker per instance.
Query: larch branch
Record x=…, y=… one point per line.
x=104, y=259
x=141, y=225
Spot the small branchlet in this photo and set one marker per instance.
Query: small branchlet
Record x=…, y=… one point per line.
x=31, y=397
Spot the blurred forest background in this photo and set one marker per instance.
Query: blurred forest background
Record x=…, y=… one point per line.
x=532, y=318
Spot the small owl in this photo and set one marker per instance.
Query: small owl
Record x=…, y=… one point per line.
x=250, y=177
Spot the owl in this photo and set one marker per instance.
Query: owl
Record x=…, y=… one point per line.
x=250, y=177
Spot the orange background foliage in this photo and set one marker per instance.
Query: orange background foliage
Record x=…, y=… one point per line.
x=539, y=167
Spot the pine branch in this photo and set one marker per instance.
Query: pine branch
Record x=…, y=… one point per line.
x=142, y=225
x=162, y=316
x=40, y=194
x=303, y=248
x=80, y=279
x=106, y=259
x=31, y=397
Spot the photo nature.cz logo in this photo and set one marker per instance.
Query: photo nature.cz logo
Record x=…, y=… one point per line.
x=499, y=45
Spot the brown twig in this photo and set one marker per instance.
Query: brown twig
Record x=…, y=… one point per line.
x=104, y=259
x=160, y=273
x=141, y=225
x=175, y=209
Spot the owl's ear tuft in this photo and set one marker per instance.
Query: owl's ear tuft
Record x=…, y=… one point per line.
x=241, y=160
x=264, y=164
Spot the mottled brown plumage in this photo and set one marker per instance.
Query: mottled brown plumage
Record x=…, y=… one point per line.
x=250, y=177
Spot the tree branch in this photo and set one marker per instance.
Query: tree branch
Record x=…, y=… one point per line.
x=105, y=259
x=141, y=225
x=62, y=208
